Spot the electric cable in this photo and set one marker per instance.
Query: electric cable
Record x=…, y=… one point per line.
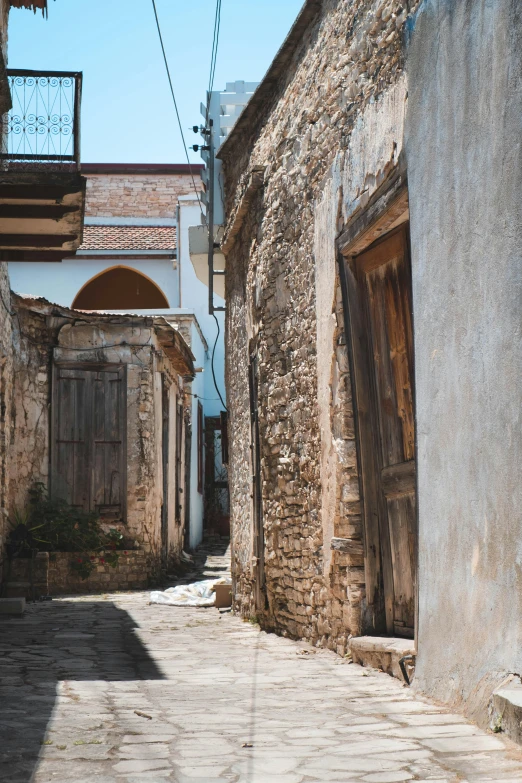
x=213, y=56
x=212, y=363
x=175, y=102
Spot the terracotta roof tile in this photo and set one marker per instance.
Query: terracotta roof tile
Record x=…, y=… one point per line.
x=129, y=238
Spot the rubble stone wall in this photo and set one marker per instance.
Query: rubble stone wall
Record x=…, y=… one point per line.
x=136, y=195
x=30, y=405
x=327, y=139
x=6, y=390
x=130, y=573
x=39, y=338
x=52, y=574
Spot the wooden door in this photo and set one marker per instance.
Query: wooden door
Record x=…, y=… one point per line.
x=88, y=438
x=382, y=280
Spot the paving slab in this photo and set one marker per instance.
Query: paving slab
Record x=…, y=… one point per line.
x=110, y=689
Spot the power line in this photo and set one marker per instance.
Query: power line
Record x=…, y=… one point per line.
x=212, y=365
x=213, y=56
x=175, y=102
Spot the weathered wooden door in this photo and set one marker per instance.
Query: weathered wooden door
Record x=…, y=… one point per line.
x=384, y=354
x=88, y=438
x=255, y=445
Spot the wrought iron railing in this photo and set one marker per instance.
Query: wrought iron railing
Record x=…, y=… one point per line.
x=42, y=130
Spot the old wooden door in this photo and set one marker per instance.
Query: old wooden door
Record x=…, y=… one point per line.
x=88, y=438
x=383, y=286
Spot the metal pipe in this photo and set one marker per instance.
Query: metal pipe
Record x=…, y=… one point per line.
x=403, y=667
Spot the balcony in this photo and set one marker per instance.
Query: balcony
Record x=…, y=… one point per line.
x=42, y=194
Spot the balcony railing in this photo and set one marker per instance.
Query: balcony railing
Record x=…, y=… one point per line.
x=42, y=130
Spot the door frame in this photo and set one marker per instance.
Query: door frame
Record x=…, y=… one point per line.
x=386, y=212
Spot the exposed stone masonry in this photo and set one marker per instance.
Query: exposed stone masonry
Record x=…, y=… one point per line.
x=136, y=195
x=284, y=302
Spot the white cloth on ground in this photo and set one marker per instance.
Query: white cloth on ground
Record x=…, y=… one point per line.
x=195, y=594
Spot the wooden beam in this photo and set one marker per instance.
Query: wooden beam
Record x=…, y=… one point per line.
x=30, y=241
x=37, y=211
x=35, y=255
x=385, y=212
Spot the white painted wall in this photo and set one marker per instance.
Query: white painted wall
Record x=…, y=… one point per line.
x=61, y=283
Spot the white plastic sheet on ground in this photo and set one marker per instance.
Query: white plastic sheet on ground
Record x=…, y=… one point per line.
x=195, y=594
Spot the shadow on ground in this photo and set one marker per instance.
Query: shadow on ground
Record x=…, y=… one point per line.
x=58, y=642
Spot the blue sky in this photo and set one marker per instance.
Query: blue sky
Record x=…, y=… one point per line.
x=127, y=112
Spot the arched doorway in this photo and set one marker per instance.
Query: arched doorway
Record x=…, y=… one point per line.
x=120, y=288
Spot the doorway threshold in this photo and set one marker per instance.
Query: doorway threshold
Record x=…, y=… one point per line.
x=384, y=653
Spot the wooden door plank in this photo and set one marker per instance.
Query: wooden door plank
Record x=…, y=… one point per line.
x=386, y=401
x=378, y=614
x=398, y=479
x=401, y=512
x=398, y=318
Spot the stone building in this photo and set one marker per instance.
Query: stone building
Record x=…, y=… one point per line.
x=373, y=255
x=98, y=405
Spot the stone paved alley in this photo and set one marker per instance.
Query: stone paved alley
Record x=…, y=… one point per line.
x=110, y=689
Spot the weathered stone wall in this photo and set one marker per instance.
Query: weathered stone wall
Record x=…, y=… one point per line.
x=132, y=572
x=51, y=573
x=30, y=405
x=136, y=195
x=136, y=347
x=5, y=339
x=42, y=334
x=6, y=389
x=327, y=136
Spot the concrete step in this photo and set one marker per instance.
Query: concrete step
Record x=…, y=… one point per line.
x=384, y=653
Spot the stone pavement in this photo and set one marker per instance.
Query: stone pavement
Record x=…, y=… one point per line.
x=107, y=689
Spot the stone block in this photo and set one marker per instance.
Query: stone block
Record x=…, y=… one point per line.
x=381, y=652
x=13, y=606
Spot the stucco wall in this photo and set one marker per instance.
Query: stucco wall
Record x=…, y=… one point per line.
x=327, y=136
x=465, y=182
x=61, y=283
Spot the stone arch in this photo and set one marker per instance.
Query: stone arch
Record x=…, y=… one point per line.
x=120, y=288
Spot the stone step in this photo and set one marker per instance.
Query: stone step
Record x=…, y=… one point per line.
x=507, y=711
x=14, y=606
x=383, y=653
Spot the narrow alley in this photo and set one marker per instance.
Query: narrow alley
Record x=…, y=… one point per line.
x=109, y=689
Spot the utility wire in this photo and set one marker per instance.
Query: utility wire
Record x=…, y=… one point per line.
x=212, y=364
x=174, y=100
x=213, y=56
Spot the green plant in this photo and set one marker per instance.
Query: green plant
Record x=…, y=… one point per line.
x=52, y=525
